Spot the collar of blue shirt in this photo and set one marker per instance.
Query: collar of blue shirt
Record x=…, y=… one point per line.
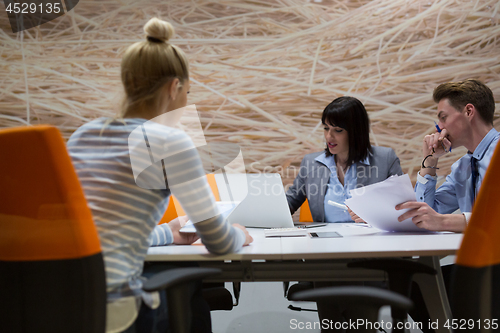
x=330, y=160
x=483, y=146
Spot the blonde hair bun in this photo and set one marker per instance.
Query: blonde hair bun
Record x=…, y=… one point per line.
x=159, y=30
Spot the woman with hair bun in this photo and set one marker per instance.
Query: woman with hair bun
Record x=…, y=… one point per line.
x=155, y=77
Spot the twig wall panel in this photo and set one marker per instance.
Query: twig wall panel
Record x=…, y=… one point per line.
x=262, y=71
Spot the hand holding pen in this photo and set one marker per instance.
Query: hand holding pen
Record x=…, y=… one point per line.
x=442, y=137
x=436, y=144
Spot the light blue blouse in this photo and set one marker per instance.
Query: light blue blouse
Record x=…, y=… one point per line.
x=336, y=191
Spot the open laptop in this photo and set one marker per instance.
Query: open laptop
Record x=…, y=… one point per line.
x=252, y=200
x=262, y=199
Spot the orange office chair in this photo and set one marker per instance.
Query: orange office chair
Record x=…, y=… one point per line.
x=475, y=288
x=305, y=213
x=173, y=205
x=51, y=268
x=304, y=216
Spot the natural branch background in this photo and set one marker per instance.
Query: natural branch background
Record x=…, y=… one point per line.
x=262, y=71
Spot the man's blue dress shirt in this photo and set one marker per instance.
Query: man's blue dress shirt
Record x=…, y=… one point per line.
x=456, y=191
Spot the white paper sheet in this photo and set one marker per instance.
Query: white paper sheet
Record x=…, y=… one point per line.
x=376, y=203
x=225, y=208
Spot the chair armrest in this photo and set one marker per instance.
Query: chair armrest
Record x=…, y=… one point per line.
x=176, y=276
x=399, y=271
x=370, y=296
x=408, y=266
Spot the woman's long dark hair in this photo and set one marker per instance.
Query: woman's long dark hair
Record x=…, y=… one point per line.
x=350, y=114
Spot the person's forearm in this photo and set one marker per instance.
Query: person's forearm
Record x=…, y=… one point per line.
x=430, y=163
x=454, y=222
x=219, y=236
x=161, y=235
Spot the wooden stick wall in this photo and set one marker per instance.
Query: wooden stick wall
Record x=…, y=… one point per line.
x=262, y=71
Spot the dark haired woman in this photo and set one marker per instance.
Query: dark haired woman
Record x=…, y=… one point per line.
x=348, y=162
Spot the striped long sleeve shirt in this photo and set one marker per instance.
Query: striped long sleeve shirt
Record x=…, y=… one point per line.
x=126, y=211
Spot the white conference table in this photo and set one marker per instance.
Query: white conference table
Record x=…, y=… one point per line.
x=325, y=259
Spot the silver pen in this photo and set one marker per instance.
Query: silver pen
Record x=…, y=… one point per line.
x=336, y=204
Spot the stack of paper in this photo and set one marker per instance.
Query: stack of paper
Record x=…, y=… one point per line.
x=376, y=203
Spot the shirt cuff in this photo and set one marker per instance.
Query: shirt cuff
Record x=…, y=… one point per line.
x=240, y=238
x=425, y=179
x=467, y=217
x=161, y=235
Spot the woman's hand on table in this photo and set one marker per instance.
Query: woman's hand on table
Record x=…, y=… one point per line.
x=248, y=238
x=182, y=238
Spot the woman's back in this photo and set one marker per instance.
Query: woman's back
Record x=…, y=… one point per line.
x=124, y=213
x=126, y=209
